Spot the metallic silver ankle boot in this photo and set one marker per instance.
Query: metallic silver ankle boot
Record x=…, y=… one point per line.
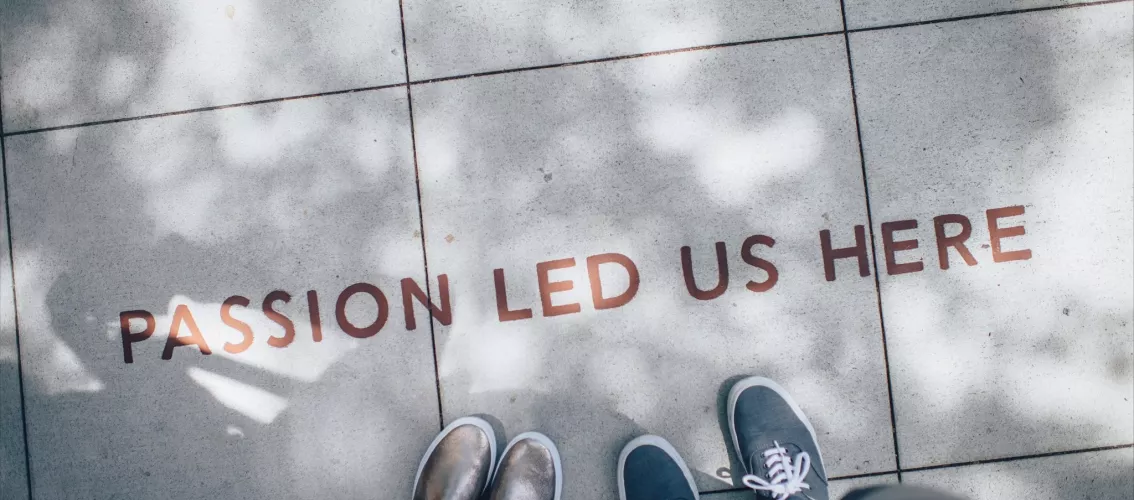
x=459, y=462
x=529, y=469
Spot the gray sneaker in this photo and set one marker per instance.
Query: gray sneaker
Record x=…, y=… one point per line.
x=529, y=469
x=775, y=442
x=458, y=463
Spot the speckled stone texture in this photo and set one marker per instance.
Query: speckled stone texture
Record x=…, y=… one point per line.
x=1026, y=355
x=558, y=177
x=187, y=211
x=641, y=158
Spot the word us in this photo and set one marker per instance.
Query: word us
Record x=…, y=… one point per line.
x=958, y=225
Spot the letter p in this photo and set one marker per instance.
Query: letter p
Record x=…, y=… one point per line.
x=128, y=337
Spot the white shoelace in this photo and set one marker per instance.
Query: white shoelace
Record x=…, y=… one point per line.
x=785, y=474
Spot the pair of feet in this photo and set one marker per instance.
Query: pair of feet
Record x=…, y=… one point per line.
x=461, y=464
x=770, y=434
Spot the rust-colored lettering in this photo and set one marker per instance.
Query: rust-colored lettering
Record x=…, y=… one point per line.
x=752, y=260
x=691, y=282
x=858, y=250
x=280, y=319
x=502, y=310
x=593, y=263
x=957, y=242
x=890, y=247
x=182, y=315
x=996, y=233
x=410, y=291
x=371, y=329
x=313, y=315
x=235, y=324
x=546, y=288
x=129, y=337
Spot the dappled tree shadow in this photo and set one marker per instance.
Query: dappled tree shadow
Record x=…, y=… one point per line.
x=639, y=157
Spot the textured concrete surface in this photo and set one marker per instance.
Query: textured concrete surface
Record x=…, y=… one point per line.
x=641, y=158
x=69, y=62
x=638, y=156
x=305, y=195
x=1102, y=475
x=871, y=13
x=469, y=36
x=1031, y=355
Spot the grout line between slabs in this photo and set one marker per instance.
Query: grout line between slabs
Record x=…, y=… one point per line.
x=200, y=110
x=1020, y=457
x=873, y=250
x=954, y=465
x=15, y=313
x=989, y=14
x=409, y=82
x=697, y=48
x=16, y=320
x=421, y=223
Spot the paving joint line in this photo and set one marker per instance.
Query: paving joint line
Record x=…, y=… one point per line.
x=873, y=249
x=421, y=224
x=218, y=107
x=1020, y=457
x=15, y=312
x=697, y=48
x=988, y=14
x=409, y=82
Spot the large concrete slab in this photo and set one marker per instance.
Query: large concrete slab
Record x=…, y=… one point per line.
x=642, y=157
x=872, y=13
x=68, y=62
x=311, y=194
x=13, y=467
x=448, y=38
x=838, y=488
x=1103, y=475
x=1022, y=352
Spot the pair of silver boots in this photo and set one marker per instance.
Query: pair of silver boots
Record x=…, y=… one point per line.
x=461, y=464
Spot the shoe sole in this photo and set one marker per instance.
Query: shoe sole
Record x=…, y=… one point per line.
x=748, y=383
x=474, y=421
x=546, y=443
x=650, y=440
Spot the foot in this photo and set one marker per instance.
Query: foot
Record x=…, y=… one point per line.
x=775, y=442
x=529, y=470
x=650, y=469
x=458, y=463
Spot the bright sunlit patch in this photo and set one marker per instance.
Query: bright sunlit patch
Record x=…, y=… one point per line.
x=186, y=210
x=58, y=369
x=732, y=158
x=629, y=380
x=252, y=402
x=1088, y=203
x=502, y=359
x=733, y=162
x=937, y=369
x=119, y=78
